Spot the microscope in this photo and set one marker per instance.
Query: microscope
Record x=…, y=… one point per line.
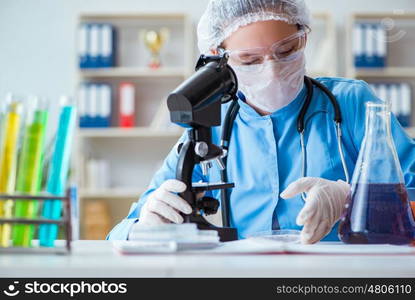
x=196, y=105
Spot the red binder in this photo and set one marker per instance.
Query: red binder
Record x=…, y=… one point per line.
x=127, y=105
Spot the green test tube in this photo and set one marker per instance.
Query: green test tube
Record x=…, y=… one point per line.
x=11, y=118
x=29, y=174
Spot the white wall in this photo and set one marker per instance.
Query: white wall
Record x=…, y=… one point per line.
x=37, y=53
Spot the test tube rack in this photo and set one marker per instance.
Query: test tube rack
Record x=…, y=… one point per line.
x=65, y=222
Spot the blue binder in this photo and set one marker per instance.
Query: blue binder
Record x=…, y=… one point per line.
x=370, y=44
x=94, y=35
x=83, y=46
x=370, y=49
x=358, y=39
x=107, y=46
x=82, y=105
x=381, y=49
x=104, y=106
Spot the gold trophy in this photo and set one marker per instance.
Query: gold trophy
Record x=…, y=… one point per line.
x=154, y=41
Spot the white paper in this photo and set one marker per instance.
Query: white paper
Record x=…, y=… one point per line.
x=251, y=246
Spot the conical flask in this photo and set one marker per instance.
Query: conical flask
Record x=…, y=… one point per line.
x=378, y=210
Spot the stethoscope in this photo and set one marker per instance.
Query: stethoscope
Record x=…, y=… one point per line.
x=233, y=112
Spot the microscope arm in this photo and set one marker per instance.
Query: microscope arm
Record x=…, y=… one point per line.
x=184, y=172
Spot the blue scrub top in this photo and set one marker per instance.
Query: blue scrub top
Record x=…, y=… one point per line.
x=265, y=157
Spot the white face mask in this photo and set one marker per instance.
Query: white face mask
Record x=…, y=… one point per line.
x=277, y=85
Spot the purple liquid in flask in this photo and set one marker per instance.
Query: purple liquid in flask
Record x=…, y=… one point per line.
x=378, y=214
x=378, y=209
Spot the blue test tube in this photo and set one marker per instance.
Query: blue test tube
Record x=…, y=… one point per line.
x=58, y=172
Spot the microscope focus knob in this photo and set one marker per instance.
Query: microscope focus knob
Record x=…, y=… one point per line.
x=201, y=149
x=209, y=205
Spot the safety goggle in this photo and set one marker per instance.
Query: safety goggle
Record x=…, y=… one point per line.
x=284, y=50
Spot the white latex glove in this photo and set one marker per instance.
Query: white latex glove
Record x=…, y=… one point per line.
x=323, y=207
x=164, y=206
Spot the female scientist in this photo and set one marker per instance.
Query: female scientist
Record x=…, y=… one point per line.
x=265, y=40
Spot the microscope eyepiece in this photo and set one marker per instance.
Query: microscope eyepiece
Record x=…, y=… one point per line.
x=197, y=101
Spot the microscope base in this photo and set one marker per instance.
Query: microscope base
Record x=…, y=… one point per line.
x=226, y=234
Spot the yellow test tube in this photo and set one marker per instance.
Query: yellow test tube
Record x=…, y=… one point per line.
x=8, y=165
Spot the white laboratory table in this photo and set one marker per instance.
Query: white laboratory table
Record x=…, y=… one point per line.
x=98, y=259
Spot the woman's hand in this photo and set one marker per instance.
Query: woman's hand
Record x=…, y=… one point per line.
x=323, y=207
x=164, y=206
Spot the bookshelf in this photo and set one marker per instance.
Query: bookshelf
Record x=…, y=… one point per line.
x=131, y=72
x=400, y=66
x=143, y=132
x=132, y=154
x=114, y=193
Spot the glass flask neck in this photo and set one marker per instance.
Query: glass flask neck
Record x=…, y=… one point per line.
x=378, y=125
x=378, y=160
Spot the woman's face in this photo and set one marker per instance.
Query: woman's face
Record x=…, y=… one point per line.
x=259, y=34
x=250, y=46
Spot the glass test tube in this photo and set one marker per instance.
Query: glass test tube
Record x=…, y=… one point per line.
x=29, y=176
x=58, y=171
x=8, y=162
